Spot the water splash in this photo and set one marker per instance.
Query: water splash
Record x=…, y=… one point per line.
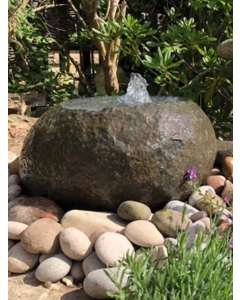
x=136, y=92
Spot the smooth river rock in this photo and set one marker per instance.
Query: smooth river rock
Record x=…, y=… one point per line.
x=180, y=206
x=20, y=261
x=15, y=230
x=13, y=179
x=111, y=247
x=169, y=222
x=42, y=236
x=53, y=268
x=90, y=221
x=74, y=243
x=91, y=263
x=133, y=210
x=28, y=210
x=197, y=195
x=211, y=204
x=77, y=271
x=13, y=191
x=97, y=283
x=143, y=233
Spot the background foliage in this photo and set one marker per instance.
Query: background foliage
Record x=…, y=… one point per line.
x=171, y=43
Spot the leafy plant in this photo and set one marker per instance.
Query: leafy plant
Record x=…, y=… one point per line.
x=189, y=274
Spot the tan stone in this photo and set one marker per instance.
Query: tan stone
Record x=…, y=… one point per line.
x=111, y=247
x=74, y=243
x=42, y=236
x=133, y=210
x=15, y=230
x=90, y=221
x=143, y=233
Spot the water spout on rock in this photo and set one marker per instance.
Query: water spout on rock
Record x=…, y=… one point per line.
x=136, y=92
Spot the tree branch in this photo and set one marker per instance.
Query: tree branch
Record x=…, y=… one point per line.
x=80, y=19
x=113, y=9
x=40, y=8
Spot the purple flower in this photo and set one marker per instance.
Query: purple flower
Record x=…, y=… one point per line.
x=226, y=199
x=231, y=246
x=190, y=174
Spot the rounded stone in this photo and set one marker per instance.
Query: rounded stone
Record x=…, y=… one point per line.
x=11, y=243
x=211, y=204
x=90, y=221
x=75, y=244
x=28, y=210
x=193, y=232
x=138, y=150
x=15, y=230
x=42, y=236
x=180, y=207
x=228, y=191
x=169, y=222
x=95, y=235
x=143, y=233
x=199, y=215
x=197, y=195
x=160, y=255
x=11, y=156
x=91, y=263
x=227, y=167
x=77, y=271
x=97, y=283
x=217, y=182
x=45, y=256
x=111, y=247
x=13, y=191
x=14, y=166
x=133, y=210
x=20, y=261
x=216, y=171
x=53, y=268
x=207, y=223
x=13, y=179
x=171, y=242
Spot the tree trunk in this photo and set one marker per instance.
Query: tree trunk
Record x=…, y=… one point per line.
x=111, y=80
x=107, y=52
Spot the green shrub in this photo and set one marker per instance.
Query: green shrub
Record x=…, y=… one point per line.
x=189, y=274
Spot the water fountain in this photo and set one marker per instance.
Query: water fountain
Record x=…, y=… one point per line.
x=95, y=153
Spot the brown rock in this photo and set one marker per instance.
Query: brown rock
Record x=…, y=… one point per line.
x=212, y=203
x=227, y=167
x=198, y=215
x=169, y=222
x=228, y=191
x=28, y=210
x=217, y=182
x=42, y=236
x=224, y=227
x=136, y=150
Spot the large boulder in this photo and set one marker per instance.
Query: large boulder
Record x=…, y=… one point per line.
x=225, y=49
x=85, y=153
